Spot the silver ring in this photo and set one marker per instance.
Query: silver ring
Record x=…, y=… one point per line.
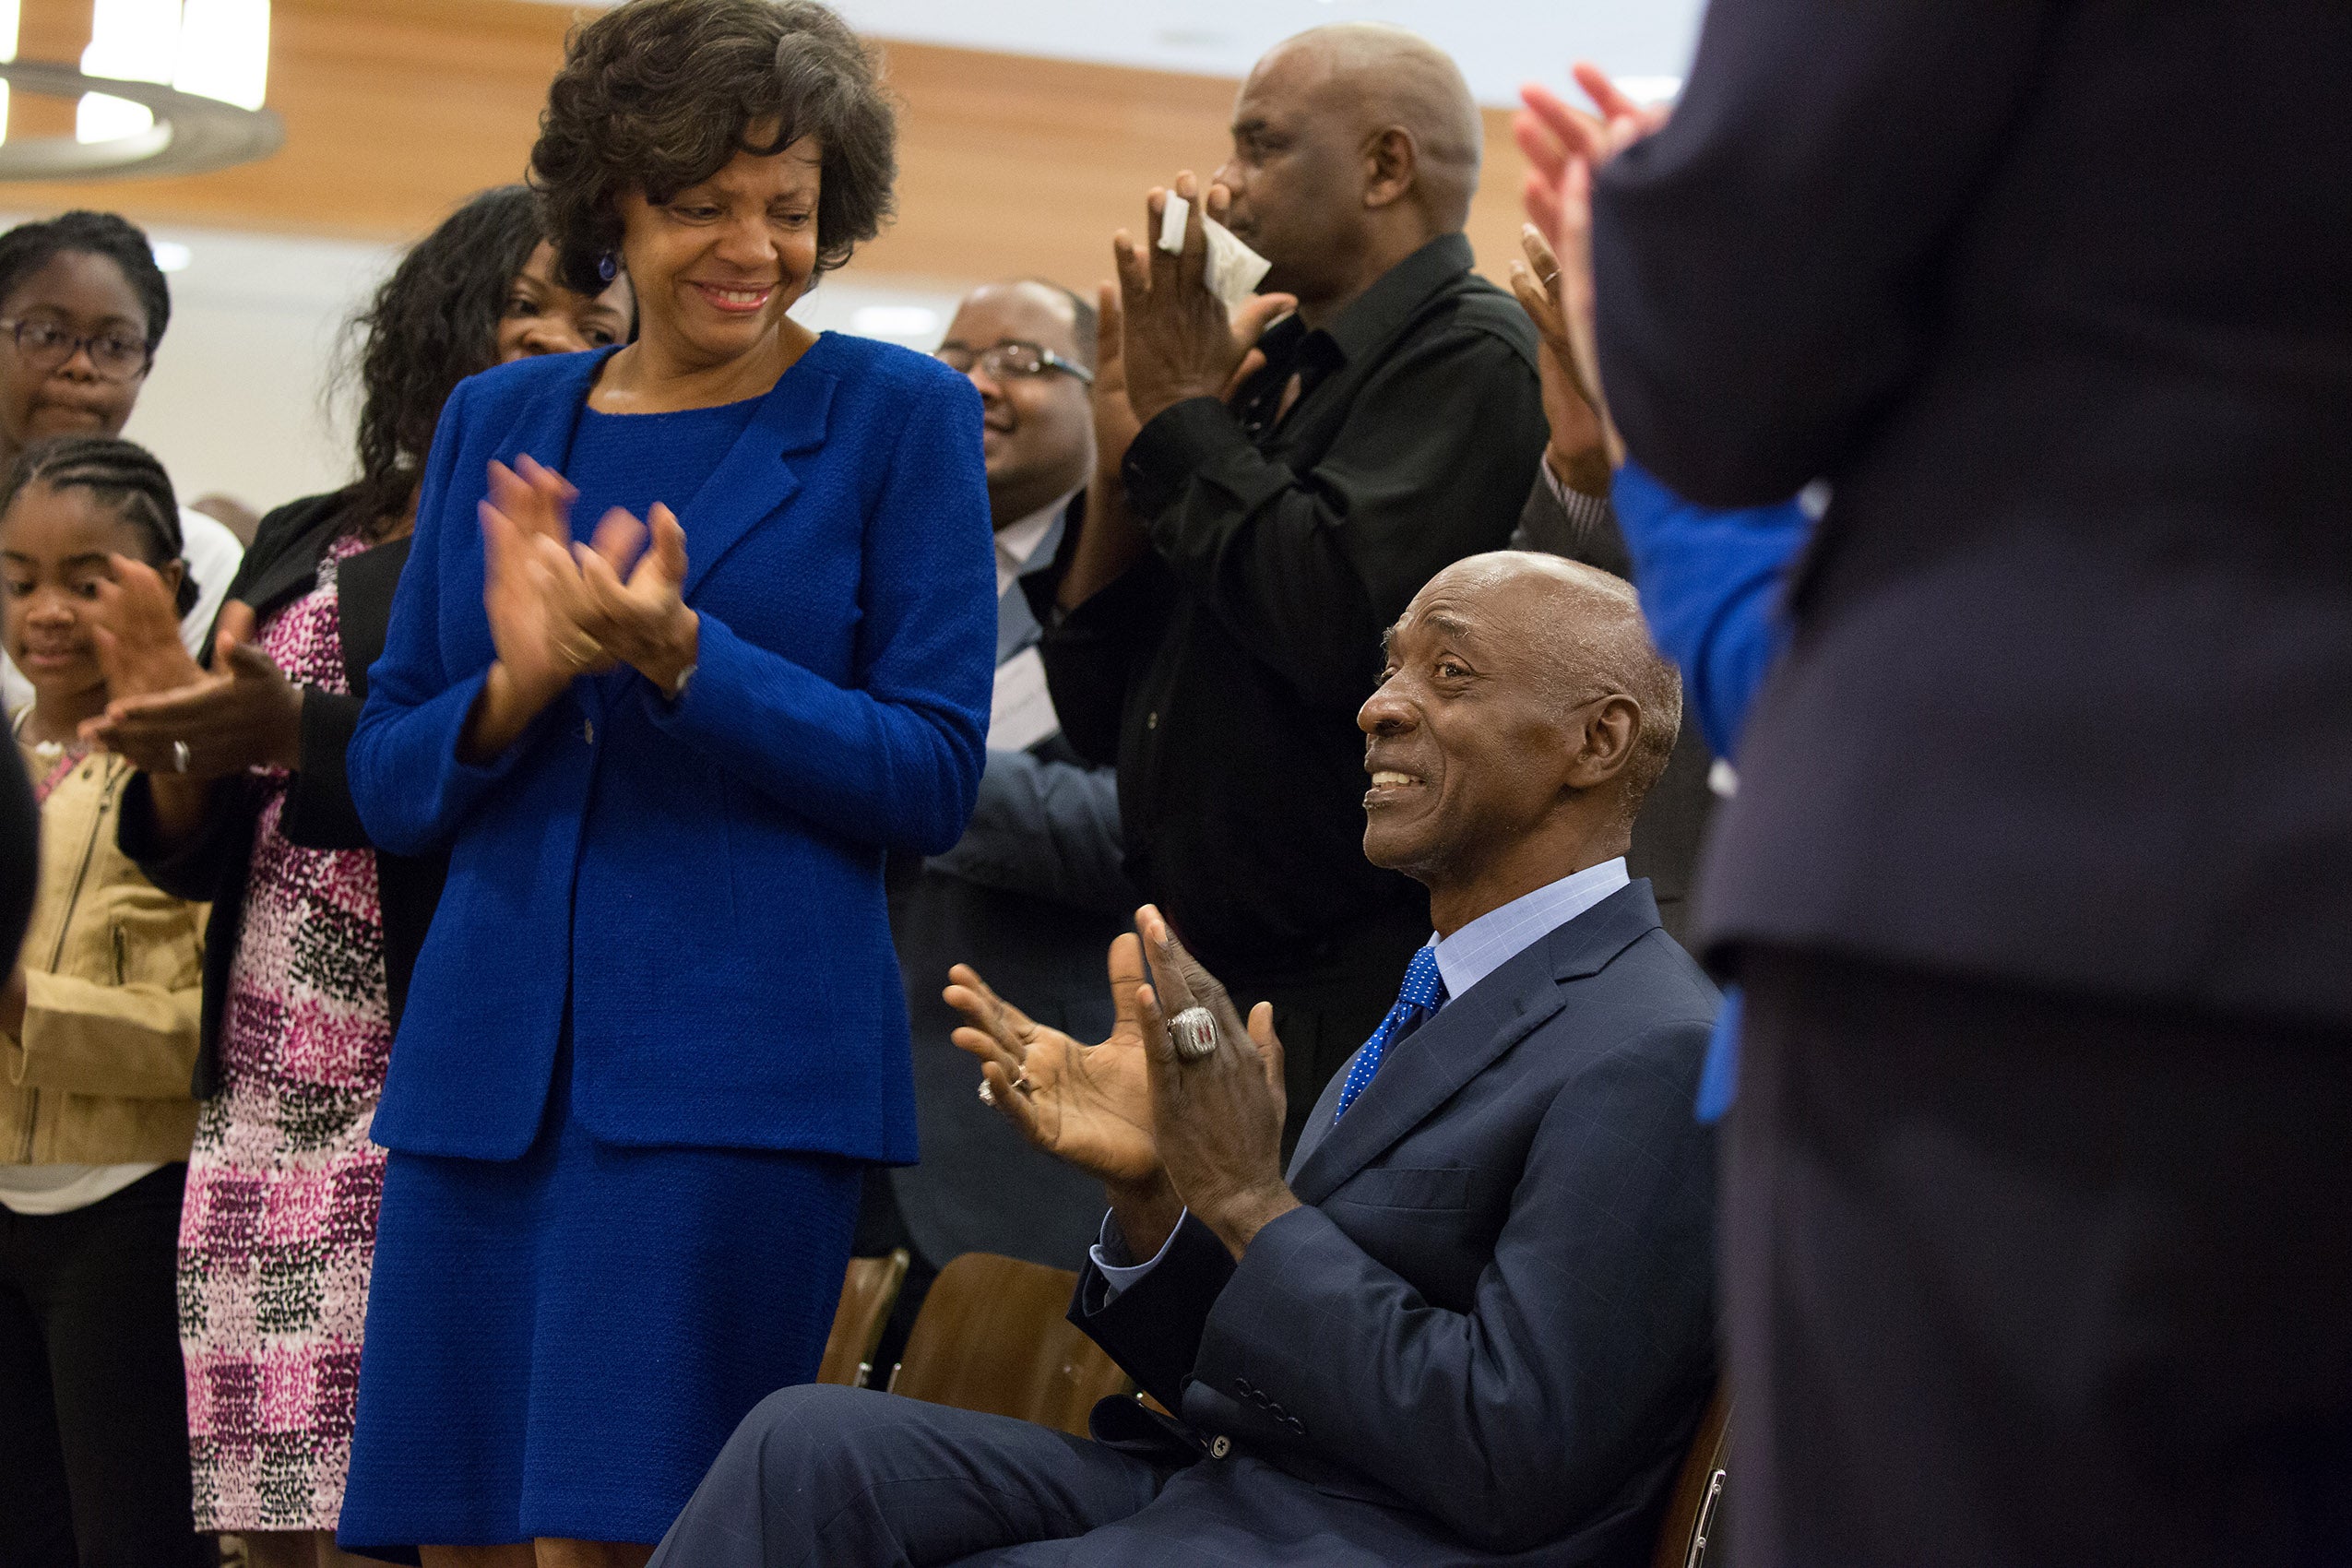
x=1194, y=1033
x=1023, y=1084
x=988, y=1096
x=179, y=756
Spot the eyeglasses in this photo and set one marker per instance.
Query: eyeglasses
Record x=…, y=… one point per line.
x=1010, y=361
x=44, y=344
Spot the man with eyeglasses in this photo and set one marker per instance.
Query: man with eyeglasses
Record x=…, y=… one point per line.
x=1035, y=885
x=82, y=308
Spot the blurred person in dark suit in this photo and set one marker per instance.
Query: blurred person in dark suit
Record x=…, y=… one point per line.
x=1474, y=1322
x=2039, y=1212
x=1033, y=889
x=1269, y=502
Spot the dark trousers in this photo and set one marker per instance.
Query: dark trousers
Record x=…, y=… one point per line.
x=818, y=1477
x=2018, y=1278
x=93, y=1398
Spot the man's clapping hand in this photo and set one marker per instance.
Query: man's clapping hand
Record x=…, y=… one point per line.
x=1089, y=1106
x=1180, y=342
x=1219, y=1119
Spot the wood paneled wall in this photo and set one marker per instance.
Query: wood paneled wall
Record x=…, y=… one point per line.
x=397, y=109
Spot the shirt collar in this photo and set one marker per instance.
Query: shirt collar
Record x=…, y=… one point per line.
x=1375, y=314
x=1484, y=945
x=1015, y=542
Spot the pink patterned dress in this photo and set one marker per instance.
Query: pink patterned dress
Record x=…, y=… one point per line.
x=279, y=1230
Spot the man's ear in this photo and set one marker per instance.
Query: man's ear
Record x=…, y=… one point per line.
x=1391, y=162
x=172, y=572
x=1612, y=728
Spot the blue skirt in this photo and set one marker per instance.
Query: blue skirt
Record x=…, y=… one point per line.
x=560, y=1344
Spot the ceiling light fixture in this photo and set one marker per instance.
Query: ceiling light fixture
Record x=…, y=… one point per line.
x=165, y=88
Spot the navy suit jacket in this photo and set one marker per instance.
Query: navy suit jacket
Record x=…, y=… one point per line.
x=698, y=883
x=1494, y=1316
x=2069, y=702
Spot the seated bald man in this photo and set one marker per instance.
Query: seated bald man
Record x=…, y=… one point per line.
x=1474, y=1323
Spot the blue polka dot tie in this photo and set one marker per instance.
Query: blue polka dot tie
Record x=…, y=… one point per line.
x=1422, y=994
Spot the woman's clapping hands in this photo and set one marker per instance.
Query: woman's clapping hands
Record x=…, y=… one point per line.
x=559, y=609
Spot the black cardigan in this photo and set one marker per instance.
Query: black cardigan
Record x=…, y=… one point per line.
x=282, y=566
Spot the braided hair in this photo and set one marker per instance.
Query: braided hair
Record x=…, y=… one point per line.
x=433, y=323
x=29, y=247
x=120, y=474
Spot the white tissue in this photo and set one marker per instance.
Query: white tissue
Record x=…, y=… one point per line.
x=1234, y=270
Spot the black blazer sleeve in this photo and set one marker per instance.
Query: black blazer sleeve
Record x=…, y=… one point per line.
x=1767, y=263
x=1090, y=652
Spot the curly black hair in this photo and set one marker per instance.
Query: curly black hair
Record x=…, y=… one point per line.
x=432, y=323
x=657, y=95
x=29, y=247
x=120, y=474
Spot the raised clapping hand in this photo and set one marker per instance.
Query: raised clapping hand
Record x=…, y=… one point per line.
x=1217, y=1120
x=1089, y=1106
x=243, y=713
x=135, y=632
x=1180, y=343
x=1162, y=1135
x=1554, y=283
x=559, y=609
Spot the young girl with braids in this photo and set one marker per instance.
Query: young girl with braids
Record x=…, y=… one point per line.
x=98, y=1038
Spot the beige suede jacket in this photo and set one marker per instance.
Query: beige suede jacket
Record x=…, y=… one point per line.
x=113, y=976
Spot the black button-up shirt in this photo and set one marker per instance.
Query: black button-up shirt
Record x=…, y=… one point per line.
x=1222, y=673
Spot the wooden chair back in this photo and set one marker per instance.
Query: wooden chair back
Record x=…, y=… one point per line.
x=1693, y=1533
x=993, y=1335
x=869, y=1291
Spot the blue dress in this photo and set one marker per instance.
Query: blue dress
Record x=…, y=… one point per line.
x=579, y=1289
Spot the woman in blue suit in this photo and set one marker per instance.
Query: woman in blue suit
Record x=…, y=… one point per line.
x=657, y=1029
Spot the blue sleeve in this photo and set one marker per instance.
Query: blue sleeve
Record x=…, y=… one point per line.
x=407, y=783
x=894, y=759
x=1710, y=584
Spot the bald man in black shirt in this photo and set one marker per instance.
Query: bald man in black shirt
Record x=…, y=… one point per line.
x=1218, y=619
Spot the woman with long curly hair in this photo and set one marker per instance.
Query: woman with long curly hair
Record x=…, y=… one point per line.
x=315, y=929
x=657, y=1031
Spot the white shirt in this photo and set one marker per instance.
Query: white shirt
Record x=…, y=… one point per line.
x=1465, y=959
x=1015, y=542
x=213, y=556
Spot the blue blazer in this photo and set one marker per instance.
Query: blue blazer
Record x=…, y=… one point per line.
x=1491, y=1330
x=698, y=883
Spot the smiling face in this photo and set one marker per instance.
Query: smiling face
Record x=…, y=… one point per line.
x=53, y=549
x=1037, y=430
x=717, y=264
x=1500, y=739
x=544, y=318
x=1464, y=740
x=86, y=296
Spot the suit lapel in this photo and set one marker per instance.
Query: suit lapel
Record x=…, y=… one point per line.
x=753, y=480
x=1468, y=1035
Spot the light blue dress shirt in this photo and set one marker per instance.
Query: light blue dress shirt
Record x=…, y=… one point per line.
x=1465, y=959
